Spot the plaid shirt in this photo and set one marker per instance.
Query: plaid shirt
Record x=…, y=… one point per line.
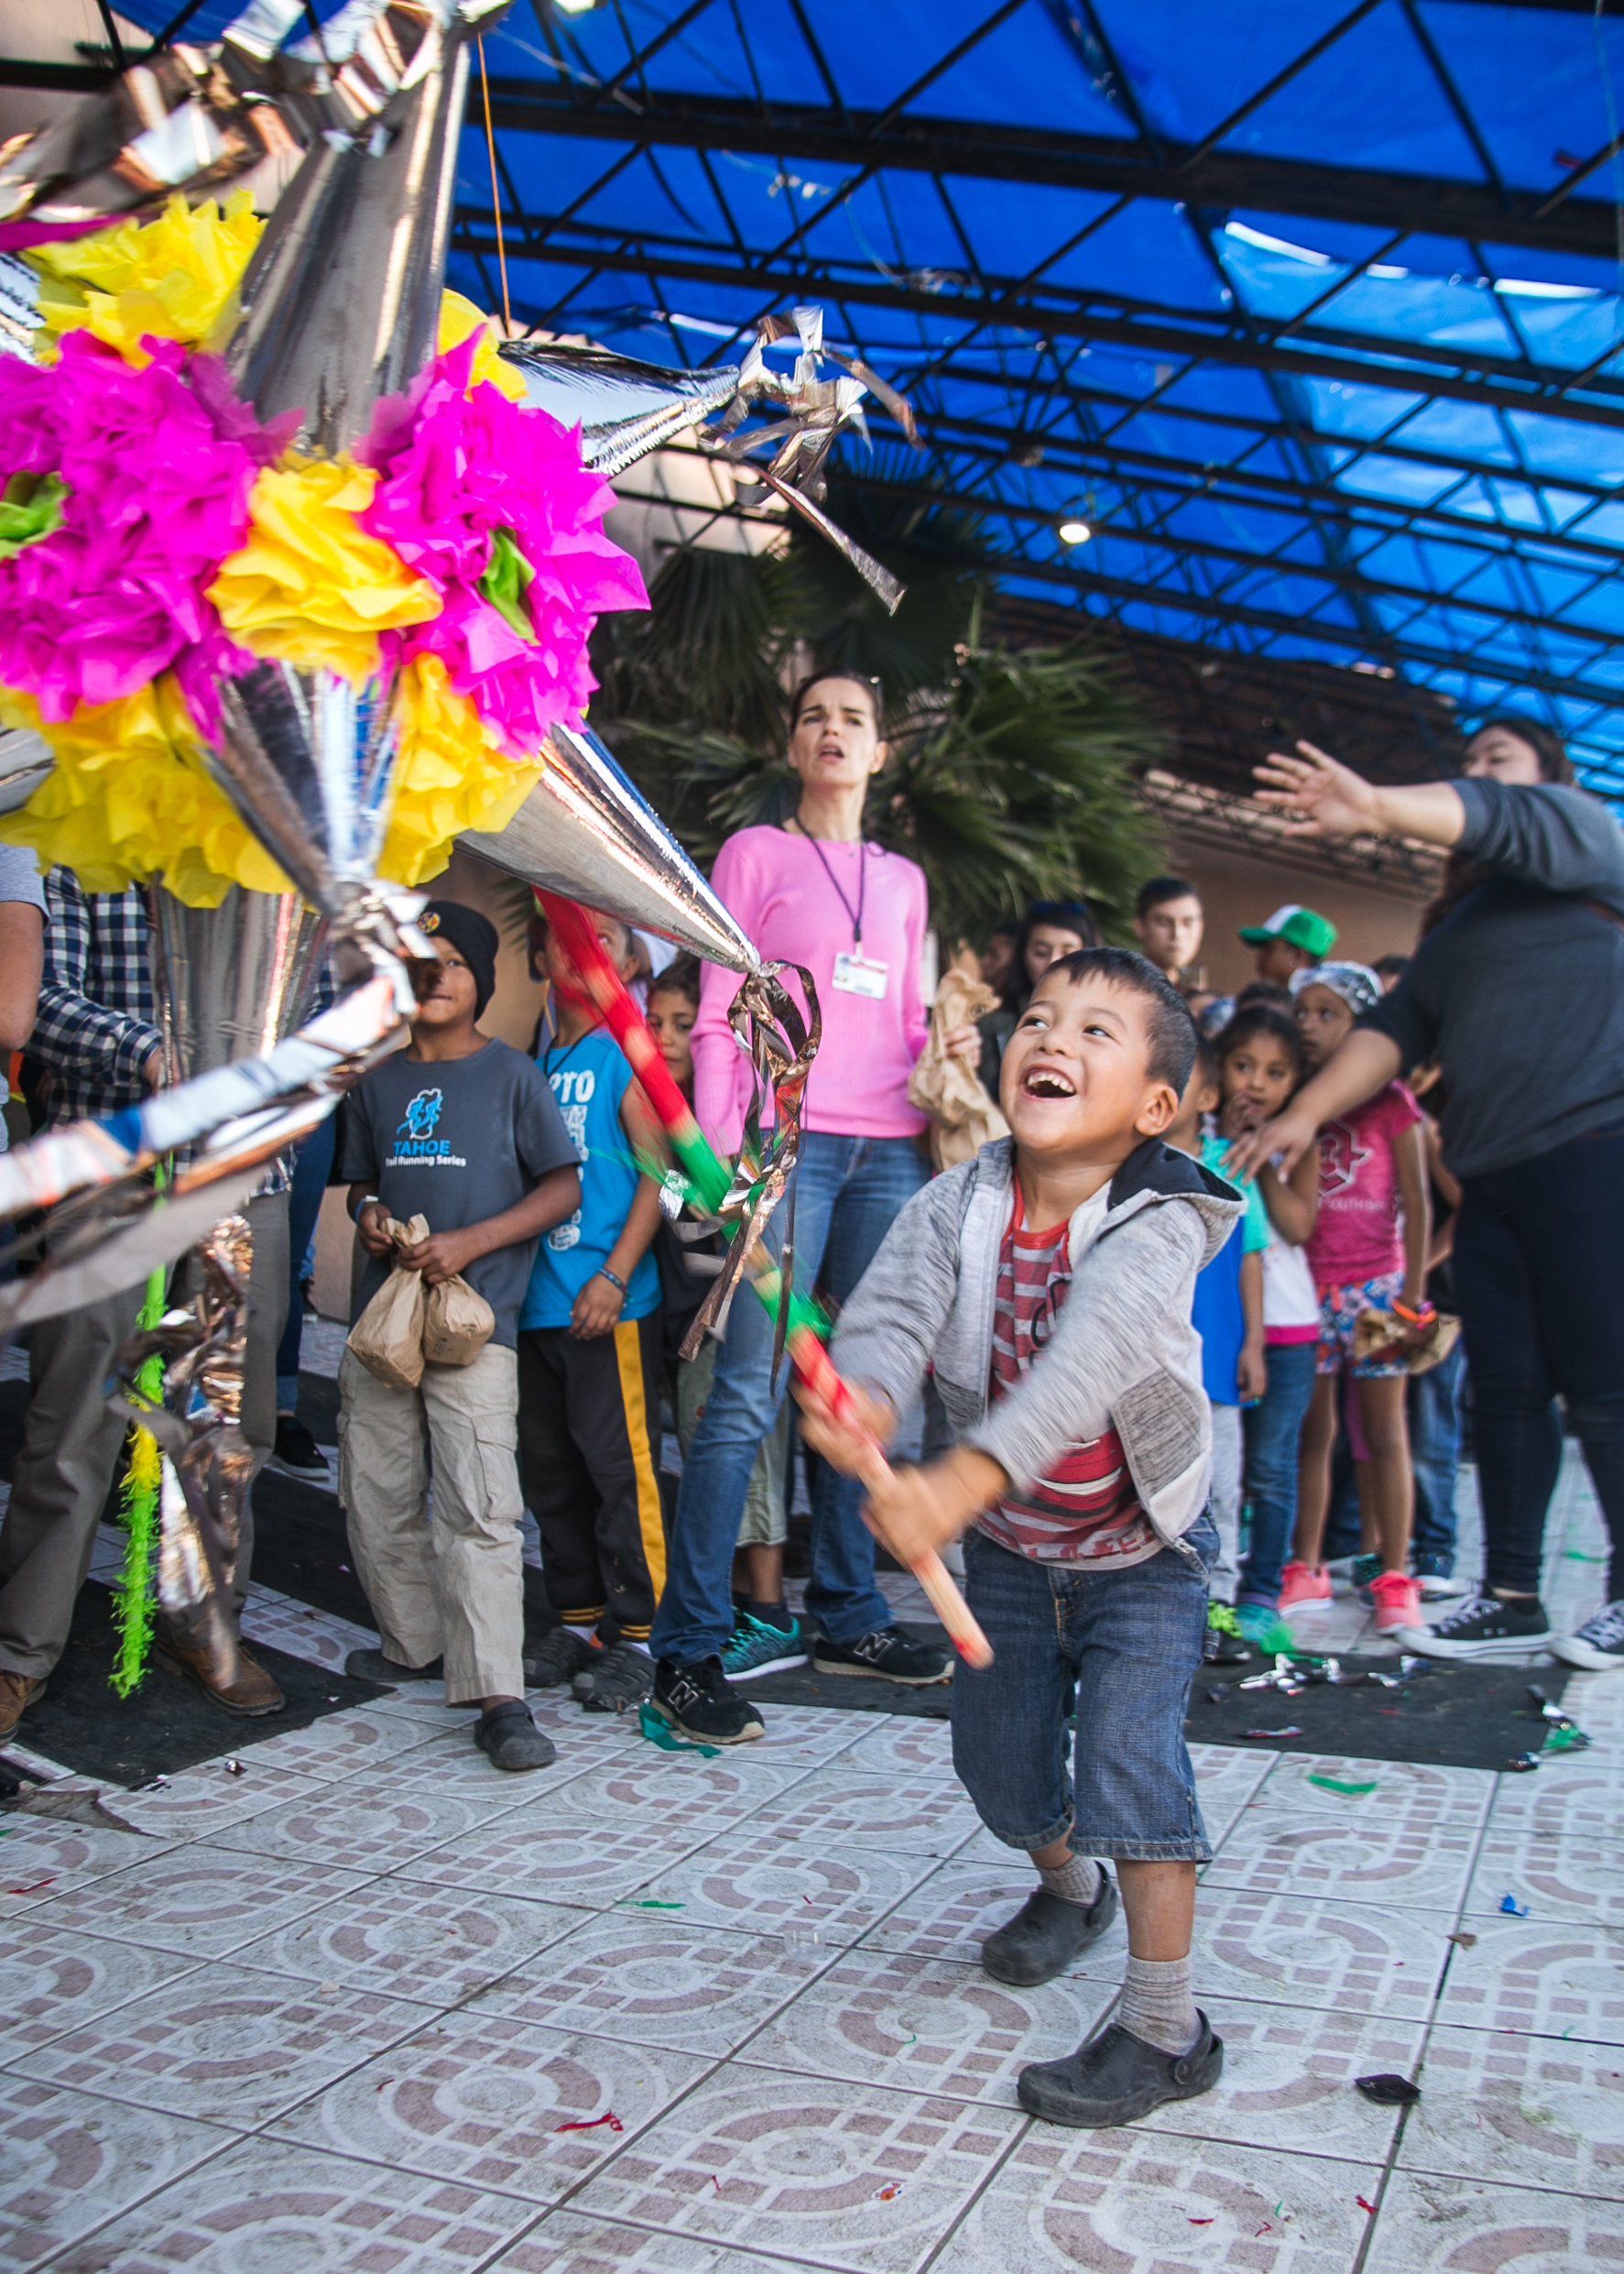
x=95, y=1025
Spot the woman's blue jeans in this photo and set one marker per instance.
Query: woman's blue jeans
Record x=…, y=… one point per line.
x=846, y=1194
x=1273, y=1426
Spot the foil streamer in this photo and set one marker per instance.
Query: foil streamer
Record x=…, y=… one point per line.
x=767, y=1021
x=626, y=409
x=587, y=832
x=208, y=1464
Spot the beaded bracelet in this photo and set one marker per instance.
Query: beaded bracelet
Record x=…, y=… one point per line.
x=613, y=1277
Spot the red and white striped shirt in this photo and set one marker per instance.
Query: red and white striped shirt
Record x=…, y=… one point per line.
x=1086, y=1509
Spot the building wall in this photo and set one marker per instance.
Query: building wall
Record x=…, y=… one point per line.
x=1237, y=888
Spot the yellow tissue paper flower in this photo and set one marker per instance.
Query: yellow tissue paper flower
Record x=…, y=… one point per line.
x=129, y=799
x=310, y=586
x=458, y=317
x=174, y=278
x=452, y=775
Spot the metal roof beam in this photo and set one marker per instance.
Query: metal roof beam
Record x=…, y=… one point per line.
x=1349, y=581
x=1218, y=178
x=1083, y=400
x=1178, y=478
x=1221, y=609
x=1250, y=347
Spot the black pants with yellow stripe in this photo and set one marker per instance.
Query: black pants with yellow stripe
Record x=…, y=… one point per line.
x=588, y=1456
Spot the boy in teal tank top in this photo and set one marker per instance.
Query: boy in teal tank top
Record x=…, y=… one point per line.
x=590, y=1344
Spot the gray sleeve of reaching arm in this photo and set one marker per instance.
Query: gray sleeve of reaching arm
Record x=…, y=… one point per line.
x=891, y=1321
x=1115, y=1317
x=1562, y=838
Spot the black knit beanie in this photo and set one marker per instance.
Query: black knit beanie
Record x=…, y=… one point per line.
x=474, y=938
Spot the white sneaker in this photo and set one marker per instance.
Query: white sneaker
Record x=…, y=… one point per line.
x=1436, y=1590
x=1598, y=1646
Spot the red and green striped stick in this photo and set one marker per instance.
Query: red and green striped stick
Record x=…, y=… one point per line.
x=710, y=1181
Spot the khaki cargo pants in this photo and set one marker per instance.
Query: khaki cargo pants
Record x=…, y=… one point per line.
x=451, y=1583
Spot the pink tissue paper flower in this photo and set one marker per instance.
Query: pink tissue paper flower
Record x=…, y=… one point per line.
x=158, y=464
x=454, y=467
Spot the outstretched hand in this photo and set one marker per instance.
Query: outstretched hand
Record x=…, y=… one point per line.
x=1289, y=1136
x=1316, y=795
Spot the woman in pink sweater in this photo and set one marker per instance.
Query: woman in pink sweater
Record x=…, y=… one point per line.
x=812, y=892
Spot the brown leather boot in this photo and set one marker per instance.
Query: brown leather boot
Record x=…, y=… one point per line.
x=17, y=1693
x=254, y=1691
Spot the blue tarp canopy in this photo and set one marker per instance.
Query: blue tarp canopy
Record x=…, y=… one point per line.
x=1310, y=311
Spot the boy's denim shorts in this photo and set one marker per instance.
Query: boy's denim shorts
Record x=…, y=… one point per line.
x=1119, y=1648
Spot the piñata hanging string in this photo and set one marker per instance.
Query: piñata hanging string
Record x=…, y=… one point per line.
x=490, y=144
x=138, y=1506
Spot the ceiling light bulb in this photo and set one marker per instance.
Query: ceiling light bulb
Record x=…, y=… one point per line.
x=1074, y=532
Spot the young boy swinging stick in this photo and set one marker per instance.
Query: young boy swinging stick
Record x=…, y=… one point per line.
x=1048, y=1282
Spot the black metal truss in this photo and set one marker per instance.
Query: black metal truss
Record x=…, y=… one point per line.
x=1251, y=342
x=1190, y=174
x=1203, y=175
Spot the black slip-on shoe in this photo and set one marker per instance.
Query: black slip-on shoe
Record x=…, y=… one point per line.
x=617, y=1679
x=887, y=1654
x=512, y=1740
x=556, y=1659
x=1119, y=2078
x=371, y=1665
x=1046, y=1934
x=698, y=1703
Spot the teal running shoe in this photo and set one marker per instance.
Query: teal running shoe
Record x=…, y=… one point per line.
x=758, y=1648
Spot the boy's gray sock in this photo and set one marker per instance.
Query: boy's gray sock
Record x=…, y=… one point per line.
x=1159, y=2004
x=1077, y=1881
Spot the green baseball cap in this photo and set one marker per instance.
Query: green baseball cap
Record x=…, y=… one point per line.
x=1299, y=927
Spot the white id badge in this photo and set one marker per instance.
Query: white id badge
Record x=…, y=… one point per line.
x=856, y=975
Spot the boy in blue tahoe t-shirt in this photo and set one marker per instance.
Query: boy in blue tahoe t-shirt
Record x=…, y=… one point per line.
x=589, y=1348
x=462, y=1130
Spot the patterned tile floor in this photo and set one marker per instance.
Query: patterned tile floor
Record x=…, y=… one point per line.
x=369, y=2008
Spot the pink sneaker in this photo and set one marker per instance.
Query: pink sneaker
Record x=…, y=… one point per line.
x=1301, y=1589
x=1397, y=1601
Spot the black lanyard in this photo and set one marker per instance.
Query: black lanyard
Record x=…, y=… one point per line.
x=855, y=914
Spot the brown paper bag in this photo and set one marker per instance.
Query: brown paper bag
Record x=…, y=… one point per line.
x=962, y=1116
x=1379, y=1334
x=457, y=1324
x=387, y=1338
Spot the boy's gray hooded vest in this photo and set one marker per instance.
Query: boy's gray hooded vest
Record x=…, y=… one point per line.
x=1123, y=1353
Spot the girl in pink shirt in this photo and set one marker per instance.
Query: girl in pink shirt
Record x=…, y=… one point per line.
x=1368, y=1251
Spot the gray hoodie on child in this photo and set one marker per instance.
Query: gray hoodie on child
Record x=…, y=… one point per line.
x=1123, y=1354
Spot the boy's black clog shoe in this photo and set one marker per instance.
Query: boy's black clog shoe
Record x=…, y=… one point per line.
x=1046, y=1934
x=1119, y=2078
